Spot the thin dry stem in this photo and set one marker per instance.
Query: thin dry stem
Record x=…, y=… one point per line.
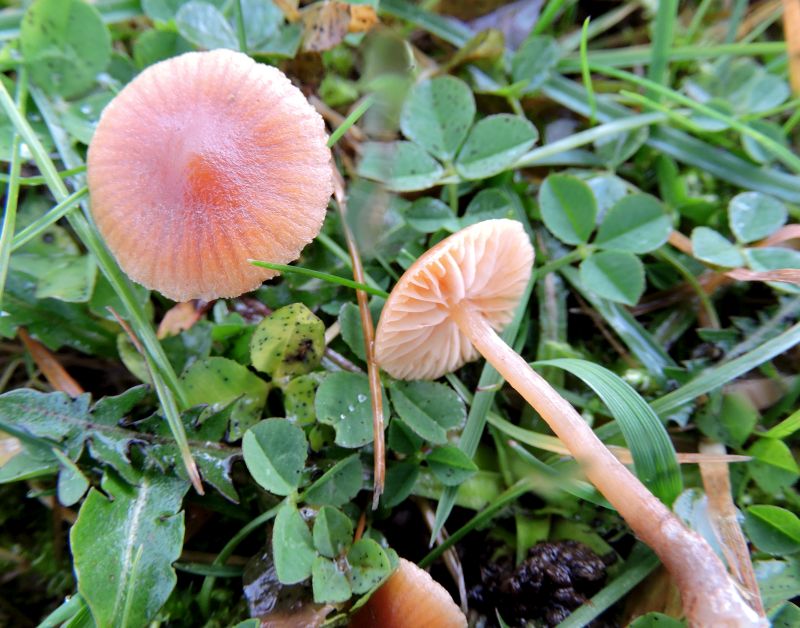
x=791, y=31
x=717, y=484
x=368, y=330
x=54, y=373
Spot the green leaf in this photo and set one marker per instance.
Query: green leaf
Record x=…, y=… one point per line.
x=730, y=423
x=275, y=454
x=712, y=247
x=533, y=61
x=68, y=279
x=401, y=166
x=428, y=214
x=219, y=382
x=753, y=216
x=401, y=477
x=758, y=152
x=328, y=582
x=292, y=546
x=450, y=465
x=488, y=204
x=338, y=485
x=288, y=342
x=774, y=467
x=636, y=223
x=333, y=532
x=262, y=20
x=155, y=45
x=369, y=565
x=428, y=408
x=162, y=10
x=778, y=580
x=614, y=275
x=656, y=620
x=205, y=26
x=568, y=207
x=772, y=529
x=298, y=399
x=72, y=484
x=653, y=452
x=124, y=548
x=438, y=114
x=494, y=144
x=65, y=45
x=343, y=401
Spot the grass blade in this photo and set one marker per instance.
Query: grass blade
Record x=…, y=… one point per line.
x=12, y=191
x=653, y=452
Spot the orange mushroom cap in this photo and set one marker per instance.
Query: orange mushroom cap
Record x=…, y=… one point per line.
x=410, y=598
x=202, y=162
x=488, y=264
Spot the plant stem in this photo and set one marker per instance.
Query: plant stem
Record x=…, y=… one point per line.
x=350, y=120
x=241, y=33
x=698, y=572
x=12, y=191
x=316, y=274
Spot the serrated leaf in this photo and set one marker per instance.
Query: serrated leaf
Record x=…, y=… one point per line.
x=437, y=115
x=338, y=485
x=288, y=342
x=428, y=408
x=65, y=45
x=328, y=582
x=636, y=223
x=124, y=548
x=369, y=565
x=343, y=401
x=401, y=166
x=333, y=532
x=614, y=275
x=494, y=144
x=292, y=546
x=568, y=207
x=712, y=247
x=753, y=215
x=205, y=26
x=773, y=529
x=219, y=382
x=275, y=453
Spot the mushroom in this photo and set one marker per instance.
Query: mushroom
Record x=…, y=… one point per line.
x=202, y=162
x=449, y=305
x=410, y=598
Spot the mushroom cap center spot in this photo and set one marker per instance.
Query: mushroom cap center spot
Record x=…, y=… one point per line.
x=208, y=184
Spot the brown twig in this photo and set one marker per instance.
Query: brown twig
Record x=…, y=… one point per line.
x=373, y=373
x=450, y=557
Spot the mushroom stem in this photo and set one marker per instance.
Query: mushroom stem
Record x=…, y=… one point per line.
x=709, y=595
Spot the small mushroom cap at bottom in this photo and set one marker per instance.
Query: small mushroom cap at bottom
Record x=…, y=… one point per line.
x=410, y=598
x=202, y=162
x=488, y=265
